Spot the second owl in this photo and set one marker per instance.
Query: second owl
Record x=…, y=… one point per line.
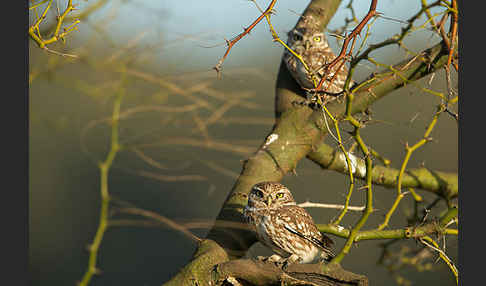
x=312, y=45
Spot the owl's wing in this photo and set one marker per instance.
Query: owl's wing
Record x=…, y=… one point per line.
x=302, y=224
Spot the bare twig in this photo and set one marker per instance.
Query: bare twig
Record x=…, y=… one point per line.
x=329, y=206
x=161, y=219
x=104, y=167
x=341, y=58
x=34, y=30
x=246, y=31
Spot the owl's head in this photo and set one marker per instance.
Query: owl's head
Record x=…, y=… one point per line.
x=269, y=195
x=302, y=39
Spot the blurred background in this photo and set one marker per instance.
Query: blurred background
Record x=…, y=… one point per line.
x=185, y=133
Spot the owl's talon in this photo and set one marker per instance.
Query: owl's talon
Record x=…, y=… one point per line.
x=293, y=259
x=274, y=258
x=309, y=103
x=261, y=258
x=284, y=266
x=301, y=103
x=289, y=260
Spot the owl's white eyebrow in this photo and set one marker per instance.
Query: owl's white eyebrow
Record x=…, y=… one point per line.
x=297, y=32
x=257, y=188
x=254, y=209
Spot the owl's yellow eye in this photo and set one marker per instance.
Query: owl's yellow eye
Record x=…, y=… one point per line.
x=280, y=195
x=317, y=38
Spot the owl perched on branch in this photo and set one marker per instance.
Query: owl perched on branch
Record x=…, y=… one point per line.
x=287, y=229
x=312, y=45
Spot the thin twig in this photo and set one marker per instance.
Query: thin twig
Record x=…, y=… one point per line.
x=161, y=219
x=429, y=242
x=34, y=30
x=410, y=149
x=330, y=206
x=245, y=32
x=105, y=196
x=343, y=54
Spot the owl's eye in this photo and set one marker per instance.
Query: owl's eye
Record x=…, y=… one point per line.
x=280, y=195
x=317, y=38
x=258, y=193
x=297, y=37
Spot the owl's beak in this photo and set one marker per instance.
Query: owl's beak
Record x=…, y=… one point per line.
x=307, y=45
x=269, y=201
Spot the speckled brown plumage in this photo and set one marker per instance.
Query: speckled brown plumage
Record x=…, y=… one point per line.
x=312, y=45
x=283, y=226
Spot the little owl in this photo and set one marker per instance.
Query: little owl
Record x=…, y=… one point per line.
x=311, y=44
x=287, y=229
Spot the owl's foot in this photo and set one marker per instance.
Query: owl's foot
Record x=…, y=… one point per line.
x=294, y=258
x=304, y=102
x=279, y=261
x=313, y=91
x=274, y=258
x=318, y=98
x=307, y=102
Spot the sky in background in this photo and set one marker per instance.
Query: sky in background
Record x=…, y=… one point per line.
x=193, y=32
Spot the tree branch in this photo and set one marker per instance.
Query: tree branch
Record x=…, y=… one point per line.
x=435, y=227
x=441, y=183
x=258, y=272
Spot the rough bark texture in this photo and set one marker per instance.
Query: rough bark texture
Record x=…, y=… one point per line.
x=255, y=272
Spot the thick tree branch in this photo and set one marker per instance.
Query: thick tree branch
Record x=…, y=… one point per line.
x=441, y=183
x=257, y=272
